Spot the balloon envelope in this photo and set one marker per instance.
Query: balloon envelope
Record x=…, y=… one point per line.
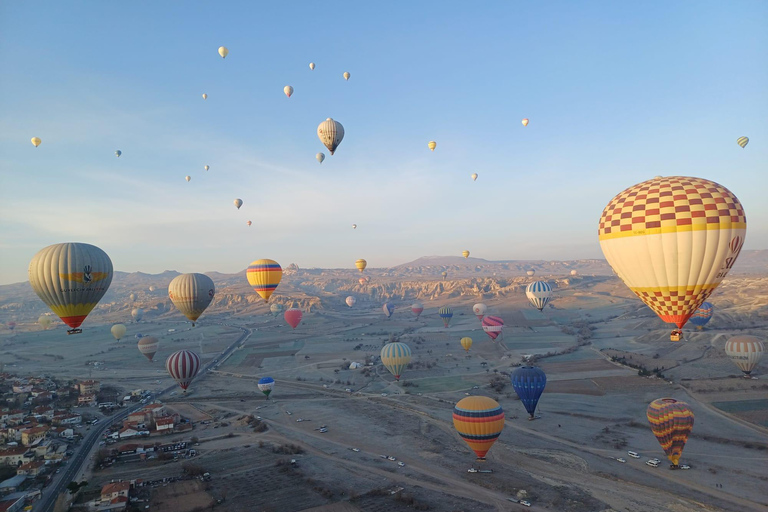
x=276, y=309
x=223, y=51
x=238, y=203
x=539, y=294
x=465, y=254
x=36, y=141
x=331, y=133
x=672, y=240
x=71, y=278
x=346, y=75
x=293, y=317
x=395, y=357
x=446, y=314
x=205, y=96
x=311, y=65
x=745, y=352
x=432, y=145
x=388, y=308
x=148, y=346
x=118, y=331
x=191, y=294
x=479, y=310
x=702, y=315
x=137, y=314
x=206, y=167
x=493, y=326
x=417, y=308
x=474, y=176
x=264, y=275
x=466, y=343
x=361, y=264
x=320, y=157
x=742, y=141
x=288, y=90
x=525, y=122
x=531, y=273
x=529, y=383
x=187, y=178
x=479, y=420
x=671, y=422
x=118, y=153
x=45, y=321
x=265, y=385
x=351, y=301
x=183, y=366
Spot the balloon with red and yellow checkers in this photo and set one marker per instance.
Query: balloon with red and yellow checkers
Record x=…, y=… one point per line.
x=672, y=240
x=479, y=420
x=671, y=422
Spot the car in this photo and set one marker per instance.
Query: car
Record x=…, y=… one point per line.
x=242, y=400
x=525, y=503
x=466, y=394
x=355, y=449
x=475, y=387
x=391, y=458
x=471, y=470
x=299, y=420
x=685, y=466
x=657, y=461
x=288, y=413
x=383, y=394
x=621, y=459
x=323, y=430
x=634, y=455
x=401, y=464
x=652, y=463
x=58, y=471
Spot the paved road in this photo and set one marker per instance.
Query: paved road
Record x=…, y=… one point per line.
x=75, y=464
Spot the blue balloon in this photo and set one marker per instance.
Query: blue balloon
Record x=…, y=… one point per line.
x=529, y=383
x=702, y=315
x=389, y=308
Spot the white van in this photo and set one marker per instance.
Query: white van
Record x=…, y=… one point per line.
x=652, y=463
x=634, y=455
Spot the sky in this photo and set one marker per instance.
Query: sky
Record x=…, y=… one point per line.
x=616, y=93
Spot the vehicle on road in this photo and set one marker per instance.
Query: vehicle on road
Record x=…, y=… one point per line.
x=288, y=413
x=634, y=455
x=652, y=463
x=685, y=466
x=401, y=464
x=391, y=458
x=355, y=449
x=323, y=430
x=299, y=420
x=621, y=459
x=471, y=470
x=525, y=503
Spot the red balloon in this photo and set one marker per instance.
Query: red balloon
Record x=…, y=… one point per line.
x=293, y=317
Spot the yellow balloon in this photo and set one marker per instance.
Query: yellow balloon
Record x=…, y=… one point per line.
x=36, y=141
x=466, y=343
x=118, y=331
x=205, y=96
x=465, y=254
x=361, y=264
x=223, y=52
x=432, y=145
x=346, y=75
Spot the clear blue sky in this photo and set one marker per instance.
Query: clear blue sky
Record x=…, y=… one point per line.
x=616, y=92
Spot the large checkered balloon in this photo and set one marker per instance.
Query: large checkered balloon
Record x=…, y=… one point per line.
x=672, y=240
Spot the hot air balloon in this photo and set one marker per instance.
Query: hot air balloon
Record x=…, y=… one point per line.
x=417, y=308
x=395, y=357
x=745, y=352
x=351, y=301
x=276, y=309
x=265, y=385
x=354, y=226
x=132, y=296
x=702, y=315
x=205, y=96
x=71, y=278
x=529, y=383
x=346, y=75
x=36, y=141
x=320, y=157
x=493, y=326
x=238, y=203
x=361, y=264
x=249, y=223
x=465, y=254
x=671, y=422
x=446, y=314
x=525, y=122
x=479, y=310
x=191, y=294
x=672, y=240
x=466, y=343
x=474, y=176
x=293, y=317
x=444, y=274
x=11, y=325
x=118, y=153
x=311, y=65
x=539, y=294
x=223, y=52
x=264, y=275
x=432, y=145
x=388, y=308
x=531, y=273
x=288, y=90
x=137, y=314
x=152, y=288
x=187, y=178
x=148, y=346
x=331, y=134
x=741, y=141
x=206, y=167
x=118, y=331
x=182, y=366
x=363, y=281
x=479, y=420
x=574, y=272
x=45, y=321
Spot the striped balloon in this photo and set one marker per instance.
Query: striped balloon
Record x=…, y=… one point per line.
x=182, y=366
x=529, y=383
x=148, y=346
x=539, y=294
x=417, y=308
x=276, y=309
x=446, y=314
x=745, y=352
x=671, y=422
x=395, y=357
x=742, y=141
x=293, y=316
x=479, y=420
x=265, y=385
x=264, y=275
x=191, y=294
x=331, y=134
x=701, y=316
x=388, y=308
x=493, y=326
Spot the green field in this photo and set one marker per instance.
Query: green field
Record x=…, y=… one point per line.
x=742, y=405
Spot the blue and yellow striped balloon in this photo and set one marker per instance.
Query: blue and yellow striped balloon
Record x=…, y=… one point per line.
x=446, y=314
x=264, y=275
x=479, y=420
x=395, y=356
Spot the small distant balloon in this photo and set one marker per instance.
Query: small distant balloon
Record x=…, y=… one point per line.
x=187, y=178
x=45, y=321
x=466, y=343
x=293, y=317
x=474, y=176
x=206, y=167
x=238, y=203
x=742, y=141
x=465, y=254
x=249, y=223
x=525, y=122
x=320, y=157
x=205, y=96
x=312, y=65
x=118, y=153
x=361, y=264
x=36, y=141
x=531, y=272
x=432, y=145
x=288, y=90
x=444, y=274
x=346, y=75
x=351, y=301
x=223, y=52
x=118, y=331
x=354, y=226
